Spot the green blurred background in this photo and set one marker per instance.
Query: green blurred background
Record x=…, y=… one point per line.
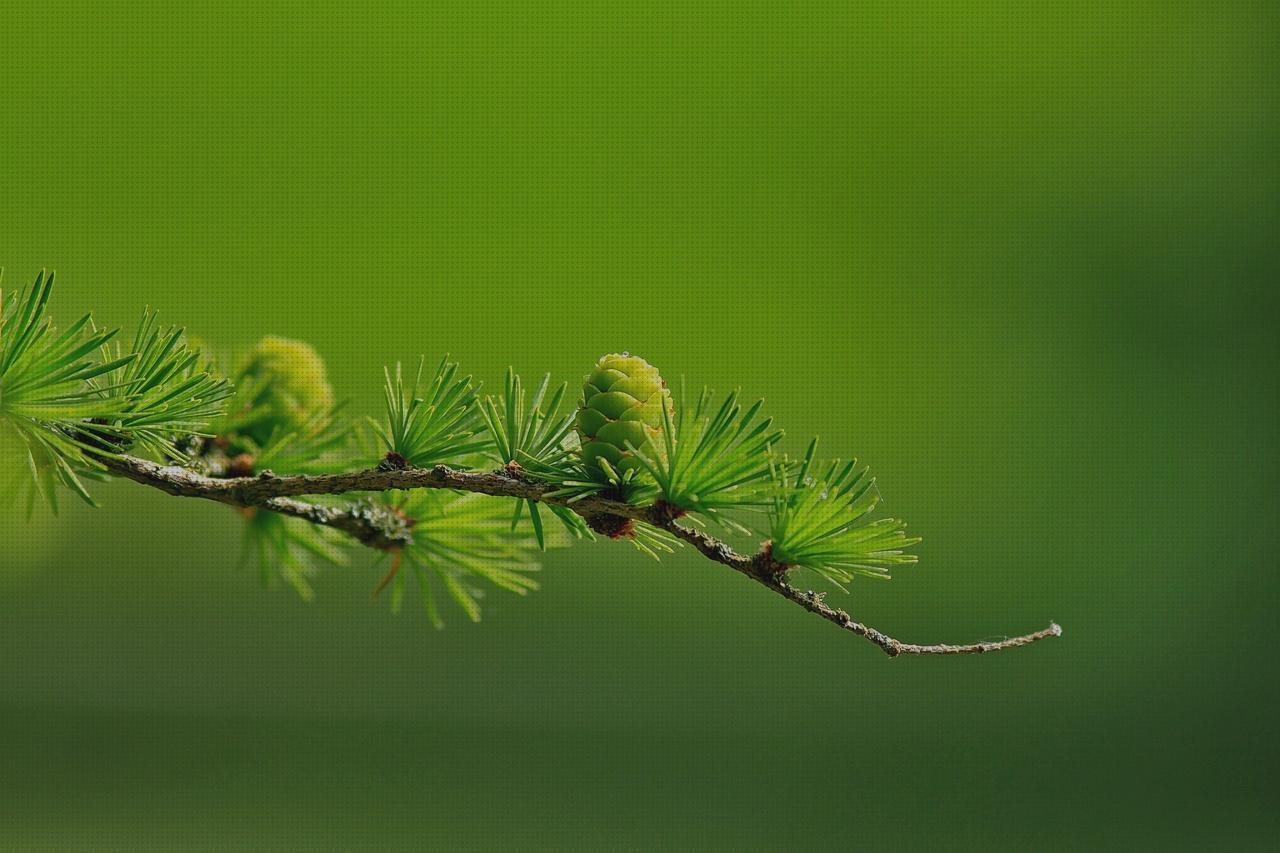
x=1021, y=258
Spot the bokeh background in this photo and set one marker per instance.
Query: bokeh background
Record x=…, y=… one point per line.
x=1021, y=258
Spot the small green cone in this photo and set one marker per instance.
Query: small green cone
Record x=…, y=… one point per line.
x=622, y=402
x=297, y=384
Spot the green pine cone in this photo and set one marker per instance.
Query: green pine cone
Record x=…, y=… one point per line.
x=621, y=405
x=296, y=384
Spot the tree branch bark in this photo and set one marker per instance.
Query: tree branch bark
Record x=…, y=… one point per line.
x=380, y=528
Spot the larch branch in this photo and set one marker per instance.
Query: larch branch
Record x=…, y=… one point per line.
x=378, y=527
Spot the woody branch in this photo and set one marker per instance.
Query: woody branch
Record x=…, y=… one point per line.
x=379, y=528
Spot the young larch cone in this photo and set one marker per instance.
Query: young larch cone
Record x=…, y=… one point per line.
x=621, y=409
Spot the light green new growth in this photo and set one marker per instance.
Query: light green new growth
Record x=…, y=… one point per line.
x=290, y=548
x=460, y=542
x=537, y=438
x=431, y=426
x=71, y=399
x=165, y=391
x=822, y=522
x=709, y=463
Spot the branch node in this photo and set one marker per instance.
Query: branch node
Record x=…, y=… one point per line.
x=613, y=526
x=393, y=462
x=241, y=466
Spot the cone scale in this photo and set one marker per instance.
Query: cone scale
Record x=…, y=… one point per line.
x=621, y=409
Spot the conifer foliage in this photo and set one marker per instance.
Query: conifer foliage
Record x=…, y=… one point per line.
x=75, y=403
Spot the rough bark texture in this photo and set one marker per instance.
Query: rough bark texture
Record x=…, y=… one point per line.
x=380, y=528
